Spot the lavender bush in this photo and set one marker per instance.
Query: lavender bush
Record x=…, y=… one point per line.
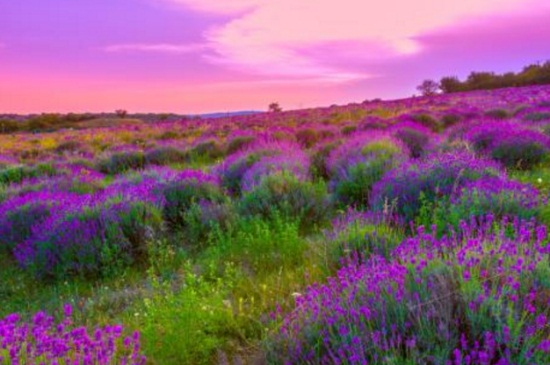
x=475, y=297
x=359, y=163
x=498, y=196
x=514, y=145
x=44, y=341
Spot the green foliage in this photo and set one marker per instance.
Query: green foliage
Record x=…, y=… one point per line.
x=121, y=162
x=209, y=149
x=358, y=241
x=522, y=155
x=428, y=121
x=449, y=120
x=307, y=137
x=197, y=309
x=258, y=245
x=535, y=74
x=498, y=114
x=239, y=143
x=537, y=116
x=284, y=194
x=16, y=174
x=200, y=219
x=165, y=156
x=180, y=196
x=319, y=160
x=428, y=88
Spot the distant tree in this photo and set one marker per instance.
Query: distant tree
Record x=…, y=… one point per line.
x=450, y=84
x=428, y=87
x=121, y=113
x=275, y=108
x=481, y=80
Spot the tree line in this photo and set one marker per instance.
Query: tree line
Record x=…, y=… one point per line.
x=535, y=74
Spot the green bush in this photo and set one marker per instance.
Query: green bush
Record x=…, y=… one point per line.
x=165, y=156
x=181, y=195
x=16, y=174
x=284, y=194
x=121, y=162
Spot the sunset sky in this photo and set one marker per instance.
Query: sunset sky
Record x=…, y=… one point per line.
x=195, y=56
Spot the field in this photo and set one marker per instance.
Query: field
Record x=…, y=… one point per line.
x=385, y=232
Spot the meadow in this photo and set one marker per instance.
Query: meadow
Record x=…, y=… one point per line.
x=385, y=232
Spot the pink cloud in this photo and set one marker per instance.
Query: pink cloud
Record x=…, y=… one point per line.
x=271, y=38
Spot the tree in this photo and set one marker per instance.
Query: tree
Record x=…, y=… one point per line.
x=275, y=108
x=428, y=87
x=450, y=84
x=121, y=113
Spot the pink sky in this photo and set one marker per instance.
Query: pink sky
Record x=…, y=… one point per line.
x=195, y=56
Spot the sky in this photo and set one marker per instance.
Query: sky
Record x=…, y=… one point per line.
x=198, y=56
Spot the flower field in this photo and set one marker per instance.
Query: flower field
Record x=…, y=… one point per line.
x=412, y=231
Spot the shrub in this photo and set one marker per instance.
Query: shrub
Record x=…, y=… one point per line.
x=43, y=340
x=165, y=156
x=359, y=163
x=449, y=120
x=209, y=148
x=239, y=142
x=232, y=170
x=319, y=158
x=188, y=188
x=435, y=177
x=497, y=114
x=308, y=137
x=294, y=162
x=16, y=174
x=284, y=194
x=497, y=196
x=20, y=214
x=96, y=240
x=511, y=144
x=417, y=138
x=348, y=130
x=477, y=297
x=69, y=146
x=357, y=236
x=121, y=162
x=427, y=121
x=537, y=116
x=205, y=216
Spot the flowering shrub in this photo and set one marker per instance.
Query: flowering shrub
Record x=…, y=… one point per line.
x=232, y=170
x=16, y=174
x=359, y=163
x=92, y=238
x=208, y=148
x=356, y=236
x=497, y=196
x=294, y=162
x=319, y=158
x=239, y=141
x=437, y=176
x=284, y=194
x=511, y=144
x=165, y=155
x=20, y=214
x=475, y=297
x=416, y=137
x=188, y=188
x=43, y=341
x=307, y=137
x=120, y=162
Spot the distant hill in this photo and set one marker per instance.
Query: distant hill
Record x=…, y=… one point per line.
x=49, y=122
x=228, y=114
